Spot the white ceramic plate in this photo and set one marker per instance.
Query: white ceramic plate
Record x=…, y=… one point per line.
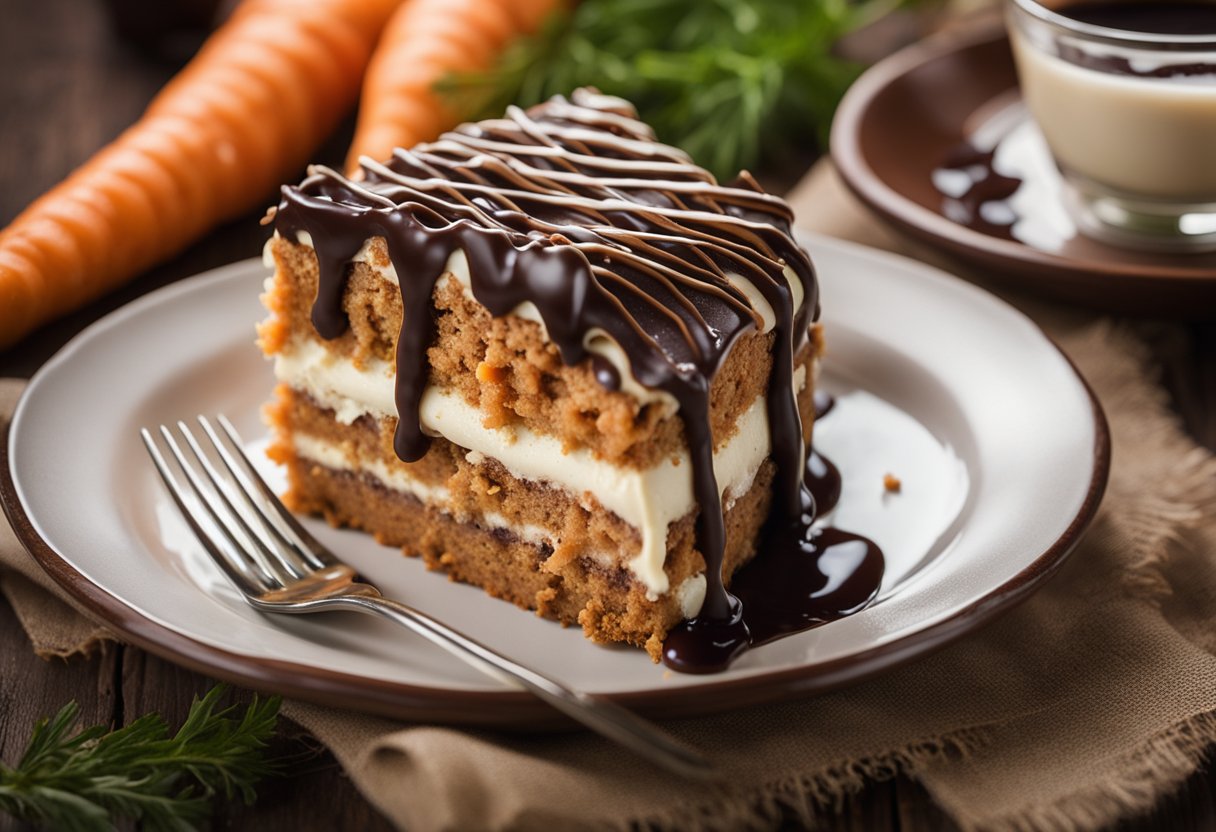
x=1000, y=447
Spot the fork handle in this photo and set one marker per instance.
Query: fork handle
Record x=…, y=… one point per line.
x=600, y=715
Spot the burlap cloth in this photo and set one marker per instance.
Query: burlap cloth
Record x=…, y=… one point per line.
x=1085, y=704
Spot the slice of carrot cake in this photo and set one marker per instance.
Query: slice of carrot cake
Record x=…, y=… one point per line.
x=549, y=355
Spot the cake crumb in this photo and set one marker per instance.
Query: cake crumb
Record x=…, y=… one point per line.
x=891, y=483
x=493, y=489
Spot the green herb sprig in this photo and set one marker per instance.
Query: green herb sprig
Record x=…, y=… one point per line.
x=729, y=81
x=87, y=780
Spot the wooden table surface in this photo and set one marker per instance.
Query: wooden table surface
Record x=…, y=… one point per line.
x=67, y=86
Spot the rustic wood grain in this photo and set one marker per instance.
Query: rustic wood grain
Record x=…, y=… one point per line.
x=872, y=808
x=67, y=86
x=31, y=689
x=1187, y=358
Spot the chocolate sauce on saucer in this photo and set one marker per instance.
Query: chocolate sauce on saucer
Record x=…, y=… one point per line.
x=974, y=193
x=1004, y=184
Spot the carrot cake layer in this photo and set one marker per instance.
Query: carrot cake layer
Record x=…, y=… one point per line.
x=562, y=546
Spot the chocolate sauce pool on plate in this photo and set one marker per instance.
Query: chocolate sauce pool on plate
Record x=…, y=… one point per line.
x=803, y=576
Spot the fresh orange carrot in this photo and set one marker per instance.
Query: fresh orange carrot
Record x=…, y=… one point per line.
x=243, y=115
x=423, y=41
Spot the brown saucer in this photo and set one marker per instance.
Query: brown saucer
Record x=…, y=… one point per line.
x=903, y=117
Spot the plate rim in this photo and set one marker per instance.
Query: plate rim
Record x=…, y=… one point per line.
x=931, y=227
x=518, y=710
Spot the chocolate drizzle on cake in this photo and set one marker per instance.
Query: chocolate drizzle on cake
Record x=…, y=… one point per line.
x=574, y=207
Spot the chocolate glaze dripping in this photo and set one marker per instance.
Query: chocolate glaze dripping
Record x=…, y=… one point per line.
x=824, y=402
x=822, y=480
x=807, y=576
x=574, y=207
x=605, y=373
x=804, y=575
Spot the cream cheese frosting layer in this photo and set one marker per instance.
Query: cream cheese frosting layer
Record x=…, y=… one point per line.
x=336, y=458
x=648, y=499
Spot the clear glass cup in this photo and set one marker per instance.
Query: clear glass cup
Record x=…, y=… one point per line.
x=1130, y=118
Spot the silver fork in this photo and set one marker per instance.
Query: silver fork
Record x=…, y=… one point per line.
x=280, y=568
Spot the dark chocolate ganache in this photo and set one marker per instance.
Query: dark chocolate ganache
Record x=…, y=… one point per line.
x=573, y=206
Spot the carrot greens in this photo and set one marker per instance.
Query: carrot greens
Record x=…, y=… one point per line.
x=732, y=82
x=86, y=780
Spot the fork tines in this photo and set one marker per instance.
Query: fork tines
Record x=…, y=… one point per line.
x=231, y=509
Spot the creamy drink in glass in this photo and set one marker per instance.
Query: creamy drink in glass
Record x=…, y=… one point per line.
x=1125, y=94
